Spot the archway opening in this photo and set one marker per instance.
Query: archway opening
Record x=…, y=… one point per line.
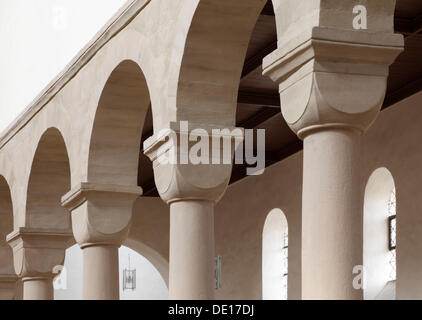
x=226, y=87
x=49, y=181
x=275, y=256
x=379, y=241
x=116, y=135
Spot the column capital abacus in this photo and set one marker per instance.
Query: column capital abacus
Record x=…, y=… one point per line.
x=36, y=252
x=337, y=78
x=178, y=180
x=101, y=213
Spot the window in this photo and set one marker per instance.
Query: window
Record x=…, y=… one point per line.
x=392, y=234
x=275, y=256
x=379, y=239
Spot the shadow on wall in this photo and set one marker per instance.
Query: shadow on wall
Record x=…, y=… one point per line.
x=147, y=285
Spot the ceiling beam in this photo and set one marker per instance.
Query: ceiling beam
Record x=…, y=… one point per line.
x=255, y=61
x=260, y=117
x=271, y=100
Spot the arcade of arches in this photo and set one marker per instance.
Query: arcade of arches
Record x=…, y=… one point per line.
x=343, y=157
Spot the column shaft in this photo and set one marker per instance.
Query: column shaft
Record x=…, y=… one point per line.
x=332, y=215
x=101, y=273
x=191, y=250
x=38, y=289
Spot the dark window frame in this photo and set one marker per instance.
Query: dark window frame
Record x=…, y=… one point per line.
x=391, y=247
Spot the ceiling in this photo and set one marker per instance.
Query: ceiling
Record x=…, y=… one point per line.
x=259, y=101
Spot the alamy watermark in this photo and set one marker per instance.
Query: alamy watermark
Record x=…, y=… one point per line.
x=216, y=146
x=60, y=281
x=360, y=21
x=359, y=281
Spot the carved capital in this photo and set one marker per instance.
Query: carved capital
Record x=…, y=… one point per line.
x=37, y=251
x=101, y=213
x=335, y=78
x=296, y=19
x=177, y=176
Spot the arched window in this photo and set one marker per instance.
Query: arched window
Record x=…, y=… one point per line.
x=275, y=256
x=379, y=239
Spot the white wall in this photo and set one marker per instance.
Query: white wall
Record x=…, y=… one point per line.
x=38, y=39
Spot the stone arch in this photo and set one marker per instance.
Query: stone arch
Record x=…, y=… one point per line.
x=7, y=272
x=212, y=61
x=376, y=253
x=273, y=236
x=6, y=210
x=116, y=133
x=49, y=180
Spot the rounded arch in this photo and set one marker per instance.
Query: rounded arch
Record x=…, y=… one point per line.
x=49, y=180
x=377, y=256
x=117, y=129
x=274, y=256
x=213, y=58
x=7, y=271
x=6, y=227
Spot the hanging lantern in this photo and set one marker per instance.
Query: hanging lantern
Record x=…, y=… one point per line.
x=129, y=278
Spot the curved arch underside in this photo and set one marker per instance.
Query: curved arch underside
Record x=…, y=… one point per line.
x=213, y=59
x=6, y=227
x=116, y=134
x=6, y=210
x=49, y=181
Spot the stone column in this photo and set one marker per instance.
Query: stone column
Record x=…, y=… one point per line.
x=101, y=216
x=332, y=82
x=36, y=254
x=191, y=190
